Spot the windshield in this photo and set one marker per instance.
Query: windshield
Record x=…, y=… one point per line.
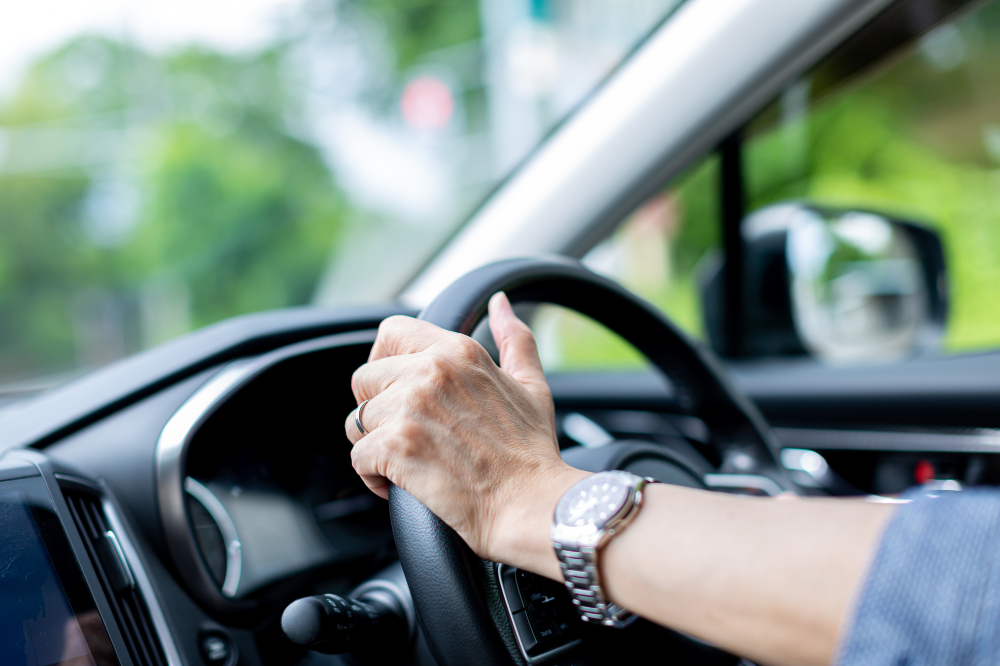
x=166, y=164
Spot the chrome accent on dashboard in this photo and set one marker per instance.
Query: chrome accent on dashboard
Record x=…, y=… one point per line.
x=982, y=440
x=123, y=542
x=175, y=438
x=736, y=481
x=234, y=556
x=126, y=568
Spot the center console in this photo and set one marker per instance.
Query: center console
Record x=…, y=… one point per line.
x=72, y=589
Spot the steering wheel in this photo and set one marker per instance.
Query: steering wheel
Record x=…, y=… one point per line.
x=456, y=594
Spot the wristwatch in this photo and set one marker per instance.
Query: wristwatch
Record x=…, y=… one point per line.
x=587, y=516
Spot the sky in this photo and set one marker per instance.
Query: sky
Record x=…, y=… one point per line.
x=29, y=29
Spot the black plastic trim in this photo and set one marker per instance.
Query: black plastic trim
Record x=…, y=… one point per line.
x=960, y=391
x=50, y=416
x=171, y=461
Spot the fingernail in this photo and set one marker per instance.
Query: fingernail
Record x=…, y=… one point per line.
x=499, y=300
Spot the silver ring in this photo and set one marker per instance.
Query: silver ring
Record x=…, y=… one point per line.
x=357, y=418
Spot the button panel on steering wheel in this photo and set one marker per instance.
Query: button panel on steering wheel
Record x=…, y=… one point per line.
x=543, y=618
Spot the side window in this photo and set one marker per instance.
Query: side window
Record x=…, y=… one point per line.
x=918, y=137
x=656, y=252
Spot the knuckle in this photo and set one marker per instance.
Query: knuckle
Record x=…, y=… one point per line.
x=416, y=399
x=391, y=325
x=469, y=351
x=437, y=373
x=405, y=442
x=359, y=459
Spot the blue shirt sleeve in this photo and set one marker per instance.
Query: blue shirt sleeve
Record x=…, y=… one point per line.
x=932, y=595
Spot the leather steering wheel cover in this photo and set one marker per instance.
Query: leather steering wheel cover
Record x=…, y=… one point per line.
x=463, y=618
x=450, y=589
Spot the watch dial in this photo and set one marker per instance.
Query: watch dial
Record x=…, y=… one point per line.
x=594, y=500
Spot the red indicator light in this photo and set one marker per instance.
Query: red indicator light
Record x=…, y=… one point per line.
x=924, y=472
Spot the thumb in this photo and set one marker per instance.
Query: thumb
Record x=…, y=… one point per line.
x=518, y=352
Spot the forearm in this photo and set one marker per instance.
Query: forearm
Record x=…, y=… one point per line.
x=477, y=445
x=766, y=579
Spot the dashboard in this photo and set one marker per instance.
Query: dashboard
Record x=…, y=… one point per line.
x=238, y=488
x=229, y=493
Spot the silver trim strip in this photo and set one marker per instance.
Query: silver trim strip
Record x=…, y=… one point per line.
x=234, y=555
x=755, y=481
x=175, y=438
x=113, y=538
x=142, y=581
x=975, y=441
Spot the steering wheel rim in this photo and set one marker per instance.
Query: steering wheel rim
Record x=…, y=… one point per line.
x=455, y=593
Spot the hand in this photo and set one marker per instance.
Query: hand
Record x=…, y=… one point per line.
x=475, y=443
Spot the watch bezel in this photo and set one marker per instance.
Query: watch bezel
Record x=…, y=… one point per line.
x=593, y=535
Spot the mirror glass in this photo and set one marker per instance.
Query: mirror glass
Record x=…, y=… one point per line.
x=856, y=284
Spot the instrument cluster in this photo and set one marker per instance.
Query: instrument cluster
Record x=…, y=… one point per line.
x=269, y=490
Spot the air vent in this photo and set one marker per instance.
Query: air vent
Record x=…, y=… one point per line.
x=116, y=578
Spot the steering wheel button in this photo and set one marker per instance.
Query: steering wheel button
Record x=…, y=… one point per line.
x=546, y=631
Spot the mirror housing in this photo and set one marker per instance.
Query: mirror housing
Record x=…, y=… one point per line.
x=840, y=285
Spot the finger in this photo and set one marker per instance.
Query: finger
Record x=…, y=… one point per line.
x=370, y=466
x=518, y=351
x=405, y=335
x=375, y=377
x=375, y=414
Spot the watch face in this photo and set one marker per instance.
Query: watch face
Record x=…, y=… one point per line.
x=594, y=500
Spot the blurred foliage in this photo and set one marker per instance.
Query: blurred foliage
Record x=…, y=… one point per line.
x=658, y=253
x=917, y=137
x=920, y=140
x=145, y=195
x=210, y=193
x=417, y=27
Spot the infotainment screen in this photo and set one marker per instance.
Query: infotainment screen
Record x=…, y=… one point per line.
x=47, y=615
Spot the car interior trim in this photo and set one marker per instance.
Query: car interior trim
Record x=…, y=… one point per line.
x=171, y=454
x=231, y=538
x=63, y=410
x=739, y=481
x=538, y=658
x=142, y=581
x=976, y=441
x=134, y=566
x=674, y=99
x=399, y=592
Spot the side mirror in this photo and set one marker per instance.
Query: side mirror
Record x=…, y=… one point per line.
x=840, y=285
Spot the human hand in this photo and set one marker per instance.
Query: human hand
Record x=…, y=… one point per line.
x=475, y=443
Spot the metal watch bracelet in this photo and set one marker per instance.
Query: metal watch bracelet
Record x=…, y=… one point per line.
x=579, y=564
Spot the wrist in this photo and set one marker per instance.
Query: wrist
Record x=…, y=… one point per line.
x=524, y=530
